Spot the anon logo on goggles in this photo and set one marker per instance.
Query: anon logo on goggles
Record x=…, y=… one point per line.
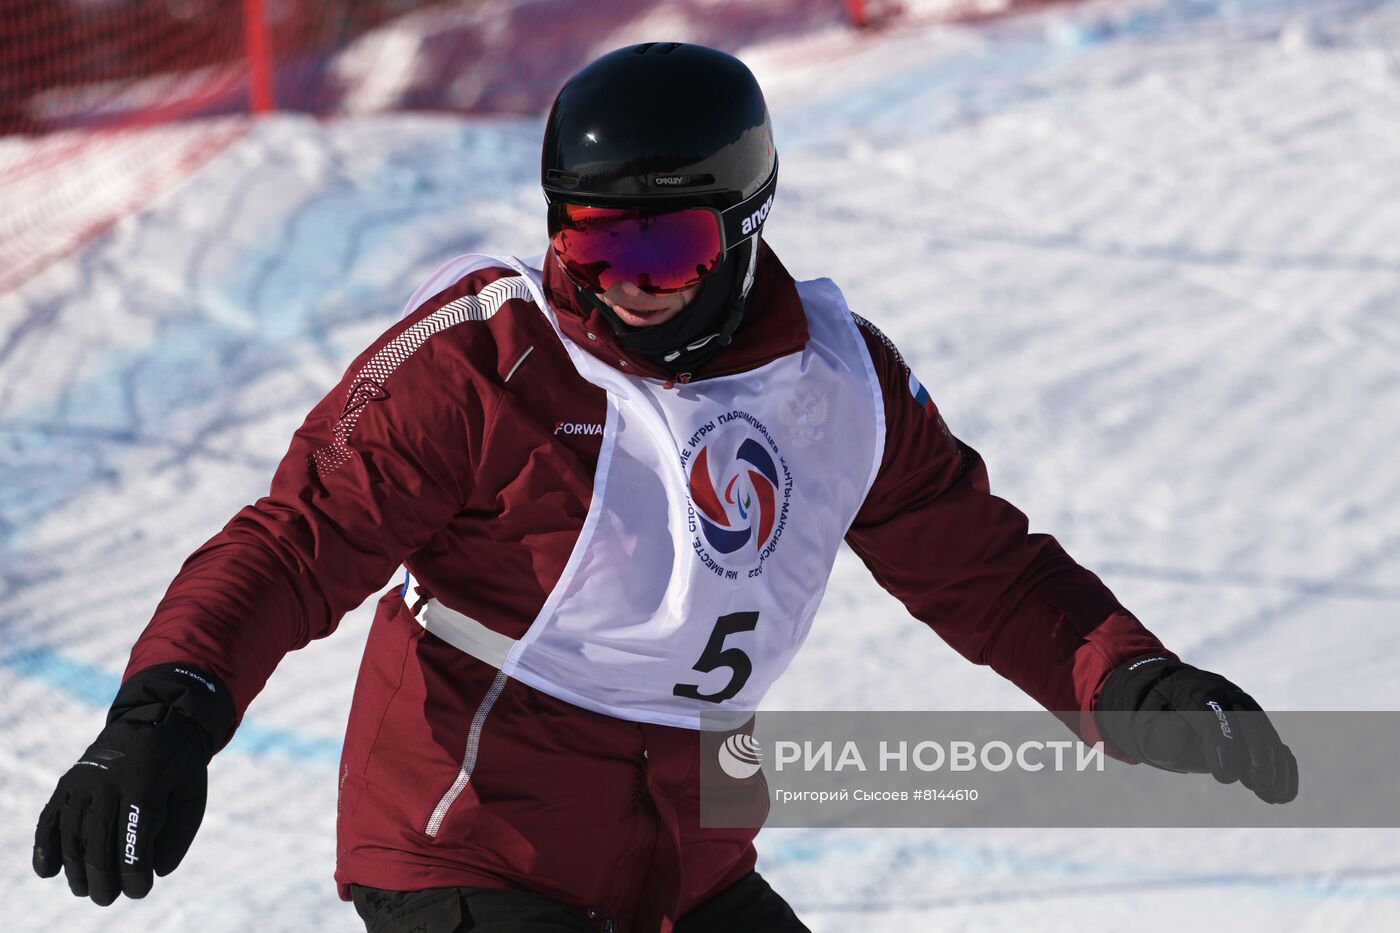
x=661, y=252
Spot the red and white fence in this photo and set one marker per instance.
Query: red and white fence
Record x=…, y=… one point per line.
x=105, y=103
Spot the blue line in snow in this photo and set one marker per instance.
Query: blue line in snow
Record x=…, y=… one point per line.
x=96, y=687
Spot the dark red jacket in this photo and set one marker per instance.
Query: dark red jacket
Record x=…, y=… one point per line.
x=461, y=464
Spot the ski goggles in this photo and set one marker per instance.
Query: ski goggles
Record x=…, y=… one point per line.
x=659, y=251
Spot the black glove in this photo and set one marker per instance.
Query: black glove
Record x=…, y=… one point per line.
x=134, y=801
x=1180, y=718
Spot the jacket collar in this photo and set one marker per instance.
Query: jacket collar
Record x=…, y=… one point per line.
x=774, y=324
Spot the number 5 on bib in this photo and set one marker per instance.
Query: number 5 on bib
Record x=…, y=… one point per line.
x=716, y=656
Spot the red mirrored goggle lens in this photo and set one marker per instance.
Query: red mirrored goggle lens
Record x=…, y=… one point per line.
x=659, y=253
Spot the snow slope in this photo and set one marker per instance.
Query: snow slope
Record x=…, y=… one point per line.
x=1146, y=256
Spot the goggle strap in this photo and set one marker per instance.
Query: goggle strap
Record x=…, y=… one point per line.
x=746, y=218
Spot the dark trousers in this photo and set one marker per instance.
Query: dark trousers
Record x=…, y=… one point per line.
x=747, y=906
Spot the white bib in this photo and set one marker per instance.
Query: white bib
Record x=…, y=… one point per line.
x=718, y=508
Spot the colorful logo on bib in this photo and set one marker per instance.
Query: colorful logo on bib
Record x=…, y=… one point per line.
x=744, y=511
x=740, y=487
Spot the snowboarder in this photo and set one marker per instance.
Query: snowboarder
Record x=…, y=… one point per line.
x=619, y=475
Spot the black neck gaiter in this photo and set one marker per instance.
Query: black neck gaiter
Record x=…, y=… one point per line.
x=688, y=340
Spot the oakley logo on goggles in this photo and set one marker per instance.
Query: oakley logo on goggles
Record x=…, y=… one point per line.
x=661, y=252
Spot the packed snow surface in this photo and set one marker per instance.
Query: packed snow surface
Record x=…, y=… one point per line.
x=1145, y=255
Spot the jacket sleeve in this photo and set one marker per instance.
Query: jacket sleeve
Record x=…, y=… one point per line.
x=379, y=466
x=964, y=562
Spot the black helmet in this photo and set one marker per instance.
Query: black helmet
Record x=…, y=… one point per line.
x=664, y=123
x=666, y=126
